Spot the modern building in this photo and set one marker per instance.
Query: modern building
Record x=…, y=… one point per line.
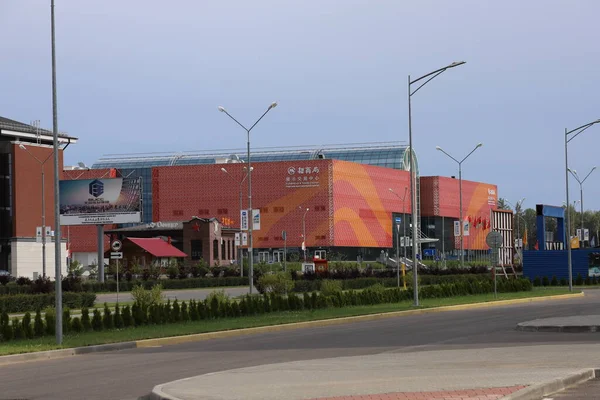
x=335, y=199
x=27, y=196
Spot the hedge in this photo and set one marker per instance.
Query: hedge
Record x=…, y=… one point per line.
x=29, y=302
x=216, y=306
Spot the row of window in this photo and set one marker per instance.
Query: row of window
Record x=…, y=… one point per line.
x=225, y=211
x=280, y=238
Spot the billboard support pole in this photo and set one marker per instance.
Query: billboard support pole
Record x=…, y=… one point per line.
x=100, y=250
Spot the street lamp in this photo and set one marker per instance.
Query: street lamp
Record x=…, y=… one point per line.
x=250, y=216
x=304, y=231
x=413, y=176
x=403, y=200
x=240, y=250
x=574, y=132
x=580, y=181
x=462, y=246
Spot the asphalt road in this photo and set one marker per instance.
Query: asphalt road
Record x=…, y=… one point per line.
x=129, y=374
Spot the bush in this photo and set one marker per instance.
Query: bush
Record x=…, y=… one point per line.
x=86, y=324
x=145, y=298
x=97, y=320
x=175, y=312
x=554, y=281
x=545, y=281
x=330, y=288
x=107, y=321
x=537, y=281
x=17, y=329
x=118, y=319
x=279, y=283
x=30, y=302
x=172, y=271
x=579, y=280
x=563, y=282
x=66, y=320
x=38, y=324
x=127, y=318
x=26, y=325
x=23, y=280
x=6, y=331
x=50, y=317
x=76, y=325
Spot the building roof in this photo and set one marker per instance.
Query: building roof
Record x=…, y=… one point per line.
x=21, y=131
x=158, y=247
x=386, y=154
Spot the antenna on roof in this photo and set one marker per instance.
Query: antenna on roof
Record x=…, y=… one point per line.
x=36, y=127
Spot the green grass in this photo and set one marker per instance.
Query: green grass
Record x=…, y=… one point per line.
x=158, y=331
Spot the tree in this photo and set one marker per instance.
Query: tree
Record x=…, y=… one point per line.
x=503, y=204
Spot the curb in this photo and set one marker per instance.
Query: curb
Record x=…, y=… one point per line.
x=54, y=354
x=172, y=340
x=558, y=328
x=539, y=391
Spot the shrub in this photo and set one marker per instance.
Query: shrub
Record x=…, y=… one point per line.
x=38, y=324
x=563, y=281
x=588, y=281
x=545, y=281
x=30, y=302
x=97, y=320
x=26, y=325
x=76, y=325
x=330, y=288
x=172, y=271
x=127, y=319
x=194, y=316
x=5, y=329
x=17, y=329
x=66, y=320
x=23, y=280
x=107, y=321
x=279, y=283
x=85, y=320
x=175, y=312
x=42, y=285
x=50, y=317
x=145, y=298
x=554, y=281
x=579, y=280
x=537, y=281
x=118, y=319
x=185, y=315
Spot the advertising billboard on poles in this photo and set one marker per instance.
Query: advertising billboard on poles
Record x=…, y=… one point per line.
x=100, y=201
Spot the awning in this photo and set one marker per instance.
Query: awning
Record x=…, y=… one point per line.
x=158, y=247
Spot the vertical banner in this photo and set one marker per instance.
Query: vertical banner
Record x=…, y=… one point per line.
x=256, y=220
x=456, y=228
x=466, y=227
x=244, y=220
x=244, y=239
x=586, y=235
x=237, y=239
x=579, y=234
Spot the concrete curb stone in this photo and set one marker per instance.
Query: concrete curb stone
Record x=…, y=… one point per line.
x=539, y=391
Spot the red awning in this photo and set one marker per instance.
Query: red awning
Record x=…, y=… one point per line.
x=158, y=247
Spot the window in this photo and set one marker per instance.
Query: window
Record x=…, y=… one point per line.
x=263, y=256
x=319, y=208
x=278, y=256
x=222, y=211
x=215, y=249
x=264, y=210
x=196, y=249
x=322, y=254
x=203, y=211
x=320, y=237
x=177, y=213
x=278, y=209
x=223, y=250
x=229, y=250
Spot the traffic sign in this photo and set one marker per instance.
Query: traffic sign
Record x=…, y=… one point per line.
x=116, y=255
x=494, y=239
x=398, y=220
x=116, y=245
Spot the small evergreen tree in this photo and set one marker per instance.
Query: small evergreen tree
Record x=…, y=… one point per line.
x=107, y=320
x=185, y=315
x=97, y=320
x=176, y=312
x=38, y=324
x=85, y=320
x=76, y=325
x=26, y=325
x=66, y=322
x=127, y=319
x=17, y=329
x=194, y=310
x=118, y=319
x=50, y=317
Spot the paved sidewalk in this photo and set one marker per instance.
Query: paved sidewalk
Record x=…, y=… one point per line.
x=576, y=323
x=469, y=394
x=391, y=373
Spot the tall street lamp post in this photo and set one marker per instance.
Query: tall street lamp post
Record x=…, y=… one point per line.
x=570, y=135
x=580, y=181
x=240, y=250
x=403, y=200
x=460, y=206
x=249, y=167
x=413, y=176
x=304, y=231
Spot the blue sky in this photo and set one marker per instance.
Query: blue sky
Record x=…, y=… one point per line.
x=147, y=76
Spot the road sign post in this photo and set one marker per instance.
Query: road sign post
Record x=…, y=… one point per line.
x=494, y=240
x=116, y=255
x=284, y=237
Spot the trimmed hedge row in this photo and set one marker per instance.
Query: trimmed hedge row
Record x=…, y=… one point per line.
x=222, y=307
x=553, y=281
x=361, y=283
x=27, y=302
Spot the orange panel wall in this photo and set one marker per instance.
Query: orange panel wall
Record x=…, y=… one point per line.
x=363, y=203
x=282, y=190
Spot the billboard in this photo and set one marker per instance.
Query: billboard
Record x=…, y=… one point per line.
x=100, y=201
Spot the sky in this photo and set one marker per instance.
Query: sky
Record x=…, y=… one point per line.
x=142, y=76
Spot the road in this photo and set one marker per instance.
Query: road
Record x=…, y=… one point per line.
x=184, y=294
x=132, y=373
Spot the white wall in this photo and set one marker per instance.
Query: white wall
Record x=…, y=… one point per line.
x=85, y=259
x=26, y=258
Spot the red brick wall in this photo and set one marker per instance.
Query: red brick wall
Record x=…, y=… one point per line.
x=27, y=188
x=205, y=191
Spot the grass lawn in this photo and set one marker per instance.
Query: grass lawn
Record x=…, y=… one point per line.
x=157, y=331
